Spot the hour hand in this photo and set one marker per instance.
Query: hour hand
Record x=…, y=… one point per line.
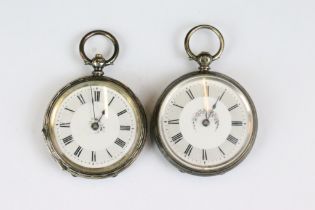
x=99, y=119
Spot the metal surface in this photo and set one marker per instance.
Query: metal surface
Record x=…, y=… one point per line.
x=204, y=59
x=193, y=169
x=99, y=62
x=97, y=79
x=77, y=170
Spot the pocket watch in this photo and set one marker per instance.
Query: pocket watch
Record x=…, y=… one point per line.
x=95, y=126
x=205, y=122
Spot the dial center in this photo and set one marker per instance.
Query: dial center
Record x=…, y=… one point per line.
x=90, y=133
x=95, y=126
x=205, y=122
x=206, y=119
x=201, y=127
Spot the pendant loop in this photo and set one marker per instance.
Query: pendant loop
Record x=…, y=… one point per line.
x=204, y=59
x=99, y=62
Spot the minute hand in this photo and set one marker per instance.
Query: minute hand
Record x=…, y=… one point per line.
x=218, y=99
x=92, y=103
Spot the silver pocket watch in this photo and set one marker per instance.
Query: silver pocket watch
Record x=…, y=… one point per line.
x=205, y=122
x=95, y=126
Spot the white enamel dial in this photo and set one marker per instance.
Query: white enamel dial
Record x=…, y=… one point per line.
x=204, y=122
x=95, y=126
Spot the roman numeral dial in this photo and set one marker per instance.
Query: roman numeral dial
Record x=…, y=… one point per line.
x=96, y=126
x=203, y=121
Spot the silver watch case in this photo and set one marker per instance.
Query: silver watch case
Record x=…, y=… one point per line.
x=114, y=169
x=154, y=128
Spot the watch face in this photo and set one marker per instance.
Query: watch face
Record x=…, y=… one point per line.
x=96, y=126
x=206, y=123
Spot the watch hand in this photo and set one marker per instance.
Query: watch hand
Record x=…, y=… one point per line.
x=206, y=90
x=218, y=99
x=93, y=103
x=103, y=112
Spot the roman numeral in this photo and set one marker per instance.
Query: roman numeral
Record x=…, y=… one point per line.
x=221, y=150
x=189, y=93
x=67, y=140
x=93, y=157
x=70, y=110
x=97, y=95
x=232, y=139
x=81, y=99
x=204, y=155
x=109, y=153
x=237, y=123
x=125, y=127
x=173, y=121
x=120, y=142
x=178, y=106
x=64, y=125
x=121, y=112
x=177, y=138
x=78, y=151
x=111, y=100
x=233, y=107
x=188, y=150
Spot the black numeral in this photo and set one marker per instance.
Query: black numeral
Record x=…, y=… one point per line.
x=97, y=95
x=109, y=153
x=120, y=142
x=189, y=93
x=237, y=123
x=81, y=99
x=70, y=110
x=125, y=127
x=67, y=140
x=177, y=138
x=233, y=107
x=188, y=150
x=204, y=154
x=78, y=151
x=111, y=100
x=221, y=150
x=232, y=139
x=178, y=106
x=121, y=112
x=173, y=121
x=64, y=125
x=93, y=157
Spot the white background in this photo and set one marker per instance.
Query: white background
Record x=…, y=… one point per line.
x=270, y=50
